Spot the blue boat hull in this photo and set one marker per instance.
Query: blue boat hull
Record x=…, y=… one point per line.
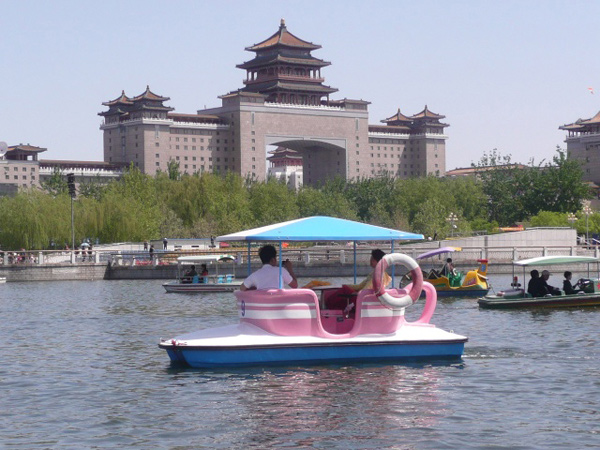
x=206, y=357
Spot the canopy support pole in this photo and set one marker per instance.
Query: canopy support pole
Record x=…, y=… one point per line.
x=392, y=251
x=280, y=265
x=249, y=262
x=354, y=262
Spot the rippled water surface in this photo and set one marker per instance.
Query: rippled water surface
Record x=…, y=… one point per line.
x=80, y=368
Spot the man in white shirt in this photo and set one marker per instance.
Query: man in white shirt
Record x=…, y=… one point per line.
x=267, y=277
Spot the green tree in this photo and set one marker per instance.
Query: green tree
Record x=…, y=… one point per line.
x=56, y=184
x=271, y=202
x=173, y=170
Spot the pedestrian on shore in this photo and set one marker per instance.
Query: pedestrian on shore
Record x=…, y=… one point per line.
x=145, y=245
x=165, y=243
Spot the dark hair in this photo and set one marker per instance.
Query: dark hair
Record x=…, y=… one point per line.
x=534, y=274
x=267, y=253
x=568, y=274
x=193, y=267
x=377, y=254
x=449, y=260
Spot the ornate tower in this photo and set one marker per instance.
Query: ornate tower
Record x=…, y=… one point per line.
x=285, y=71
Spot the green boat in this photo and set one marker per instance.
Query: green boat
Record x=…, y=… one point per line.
x=517, y=297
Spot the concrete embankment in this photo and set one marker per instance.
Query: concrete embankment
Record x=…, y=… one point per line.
x=91, y=271
x=313, y=262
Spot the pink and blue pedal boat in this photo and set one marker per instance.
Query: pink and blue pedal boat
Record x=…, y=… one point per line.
x=294, y=327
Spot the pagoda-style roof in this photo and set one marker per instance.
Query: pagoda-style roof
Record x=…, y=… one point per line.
x=397, y=118
x=283, y=38
x=121, y=100
x=149, y=95
x=593, y=120
x=122, y=106
x=402, y=124
x=26, y=148
x=270, y=59
x=275, y=85
x=112, y=112
x=576, y=126
x=426, y=114
x=282, y=151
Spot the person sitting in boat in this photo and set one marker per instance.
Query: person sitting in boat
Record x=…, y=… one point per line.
x=448, y=268
x=267, y=277
x=545, y=287
x=341, y=298
x=203, y=273
x=189, y=275
x=567, y=286
x=534, y=287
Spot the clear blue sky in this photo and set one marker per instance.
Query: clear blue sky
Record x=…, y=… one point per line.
x=506, y=74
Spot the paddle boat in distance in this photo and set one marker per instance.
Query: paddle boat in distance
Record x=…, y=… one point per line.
x=517, y=297
x=216, y=282
x=473, y=284
x=293, y=326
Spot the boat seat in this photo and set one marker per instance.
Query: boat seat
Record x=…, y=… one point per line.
x=433, y=275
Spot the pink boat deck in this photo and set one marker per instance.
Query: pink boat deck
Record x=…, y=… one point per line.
x=298, y=312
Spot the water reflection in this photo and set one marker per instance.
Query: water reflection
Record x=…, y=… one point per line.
x=331, y=403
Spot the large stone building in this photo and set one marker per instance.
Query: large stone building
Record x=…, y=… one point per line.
x=21, y=168
x=583, y=144
x=283, y=103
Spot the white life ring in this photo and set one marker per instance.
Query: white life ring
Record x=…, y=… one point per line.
x=415, y=288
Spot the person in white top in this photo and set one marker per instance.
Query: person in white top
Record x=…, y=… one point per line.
x=267, y=277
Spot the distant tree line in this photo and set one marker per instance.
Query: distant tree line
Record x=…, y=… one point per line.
x=140, y=207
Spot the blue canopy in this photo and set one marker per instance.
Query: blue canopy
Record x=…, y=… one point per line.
x=321, y=228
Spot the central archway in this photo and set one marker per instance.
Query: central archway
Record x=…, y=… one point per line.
x=321, y=158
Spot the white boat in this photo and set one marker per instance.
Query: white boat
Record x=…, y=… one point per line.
x=222, y=278
x=282, y=326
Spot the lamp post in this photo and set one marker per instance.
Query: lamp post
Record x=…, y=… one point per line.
x=72, y=194
x=587, y=211
x=571, y=218
x=451, y=219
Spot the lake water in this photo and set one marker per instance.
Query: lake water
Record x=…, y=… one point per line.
x=80, y=368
